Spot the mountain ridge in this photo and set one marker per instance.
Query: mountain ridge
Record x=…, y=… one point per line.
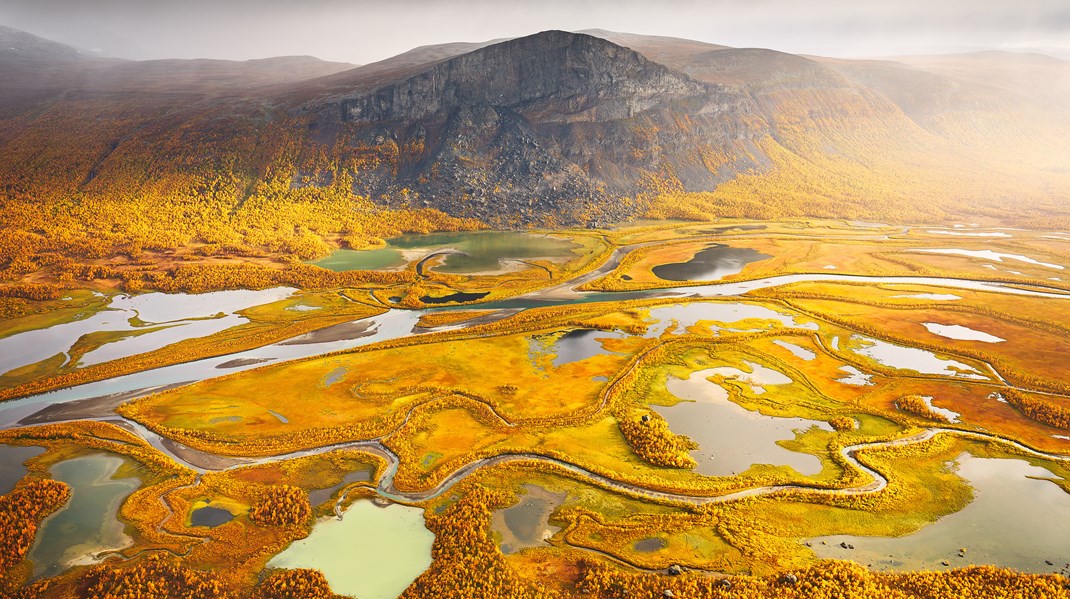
x=553, y=129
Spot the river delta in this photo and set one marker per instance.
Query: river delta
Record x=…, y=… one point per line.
x=646, y=397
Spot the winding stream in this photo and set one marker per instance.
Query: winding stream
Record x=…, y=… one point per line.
x=100, y=398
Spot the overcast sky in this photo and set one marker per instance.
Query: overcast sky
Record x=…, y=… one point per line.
x=361, y=31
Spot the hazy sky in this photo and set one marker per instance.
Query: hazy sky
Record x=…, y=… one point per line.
x=363, y=31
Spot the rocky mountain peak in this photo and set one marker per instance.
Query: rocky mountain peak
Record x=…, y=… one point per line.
x=553, y=76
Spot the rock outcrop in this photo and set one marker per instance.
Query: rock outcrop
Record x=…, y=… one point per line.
x=557, y=124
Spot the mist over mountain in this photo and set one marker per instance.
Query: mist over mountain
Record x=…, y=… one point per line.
x=553, y=128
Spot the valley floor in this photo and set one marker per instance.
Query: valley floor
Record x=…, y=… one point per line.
x=731, y=408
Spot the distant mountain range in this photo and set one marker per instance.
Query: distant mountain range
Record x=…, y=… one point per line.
x=552, y=128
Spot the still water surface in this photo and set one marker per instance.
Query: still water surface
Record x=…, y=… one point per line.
x=371, y=553
x=87, y=524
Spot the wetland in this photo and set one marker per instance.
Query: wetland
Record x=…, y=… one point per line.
x=514, y=420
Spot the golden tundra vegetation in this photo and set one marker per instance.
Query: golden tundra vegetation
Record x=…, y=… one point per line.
x=497, y=386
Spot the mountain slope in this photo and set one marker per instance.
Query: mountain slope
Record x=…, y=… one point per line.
x=549, y=127
x=290, y=155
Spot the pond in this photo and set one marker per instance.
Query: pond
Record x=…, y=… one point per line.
x=371, y=553
x=757, y=376
x=458, y=297
x=650, y=545
x=691, y=313
x=957, y=331
x=1016, y=520
x=580, y=344
x=855, y=377
x=732, y=438
x=377, y=259
x=88, y=523
x=799, y=352
x=471, y=252
x=911, y=358
x=950, y=415
x=210, y=516
x=527, y=524
x=13, y=464
x=710, y=264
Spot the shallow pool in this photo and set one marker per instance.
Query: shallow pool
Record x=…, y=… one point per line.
x=371, y=553
x=471, y=252
x=1015, y=521
x=88, y=523
x=710, y=264
x=732, y=438
x=527, y=523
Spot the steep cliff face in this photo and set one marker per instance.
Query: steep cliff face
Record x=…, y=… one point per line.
x=552, y=76
x=551, y=125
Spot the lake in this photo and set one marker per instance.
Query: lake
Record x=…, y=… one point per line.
x=1014, y=521
x=88, y=523
x=732, y=438
x=371, y=553
x=13, y=464
x=710, y=264
x=475, y=252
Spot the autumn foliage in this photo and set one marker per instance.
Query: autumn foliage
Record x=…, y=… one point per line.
x=1038, y=409
x=825, y=580
x=21, y=511
x=652, y=440
x=467, y=562
x=842, y=423
x=915, y=404
x=300, y=583
x=282, y=505
x=155, y=578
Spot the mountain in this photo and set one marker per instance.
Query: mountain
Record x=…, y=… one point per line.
x=541, y=125
x=21, y=46
x=36, y=70
x=554, y=128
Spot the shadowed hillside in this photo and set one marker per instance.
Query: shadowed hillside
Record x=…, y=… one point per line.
x=292, y=156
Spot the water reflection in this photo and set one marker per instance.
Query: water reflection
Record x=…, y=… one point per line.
x=87, y=524
x=580, y=344
x=210, y=516
x=527, y=524
x=911, y=358
x=1016, y=520
x=476, y=252
x=731, y=438
x=710, y=264
x=13, y=464
x=153, y=320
